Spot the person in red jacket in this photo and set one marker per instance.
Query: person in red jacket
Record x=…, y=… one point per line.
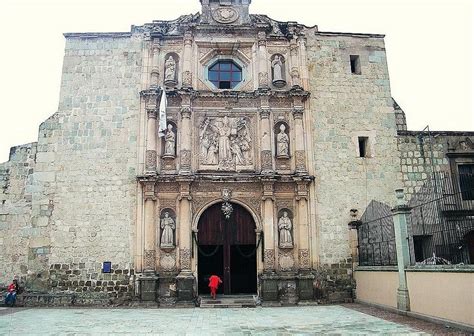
x=214, y=282
x=11, y=295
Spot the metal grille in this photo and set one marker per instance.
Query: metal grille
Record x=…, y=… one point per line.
x=442, y=219
x=376, y=236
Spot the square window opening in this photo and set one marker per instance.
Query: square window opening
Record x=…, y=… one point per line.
x=363, y=147
x=466, y=181
x=355, y=65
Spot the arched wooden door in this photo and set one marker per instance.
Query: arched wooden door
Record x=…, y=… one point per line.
x=227, y=247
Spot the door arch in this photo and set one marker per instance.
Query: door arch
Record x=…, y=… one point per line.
x=227, y=247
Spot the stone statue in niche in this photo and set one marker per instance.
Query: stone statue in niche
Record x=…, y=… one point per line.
x=170, y=142
x=168, y=226
x=284, y=227
x=283, y=143
x=170, y=71
x=277, y=65
x=225, y=143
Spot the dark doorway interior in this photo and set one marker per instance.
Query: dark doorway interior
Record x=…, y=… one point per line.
x=243, y=264
x=210, y=261
x=227, y=247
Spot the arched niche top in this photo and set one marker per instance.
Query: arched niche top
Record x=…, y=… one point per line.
x=288, y=212
x=197, y=216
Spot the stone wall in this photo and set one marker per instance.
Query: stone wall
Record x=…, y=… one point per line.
x=18, y=239
x=422, y=153
x=344, y=107
x=81, y=206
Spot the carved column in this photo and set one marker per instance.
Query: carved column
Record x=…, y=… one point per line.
x=185, y=152
x=185, y=279
x=263, y=75
x=295, y=67
x=303, y=62
x=151, y=138
x=300, y=153
x=187, y=62
x=303, y=225
x=269, y=278
x=266, y=145
x=155, y=70
x=149, y=281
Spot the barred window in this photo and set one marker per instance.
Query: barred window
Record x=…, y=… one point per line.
x=225, y=74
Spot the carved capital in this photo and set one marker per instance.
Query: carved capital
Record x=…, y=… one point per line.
x=152, y=113
x=186, y=112
x=188, y=38
x=262, y=39
x=298, y=113
x=264, y=113
x=268, y=190
x=150, y=162
x=149, y=190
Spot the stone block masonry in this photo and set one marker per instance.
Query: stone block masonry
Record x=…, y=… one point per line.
x=345, y=107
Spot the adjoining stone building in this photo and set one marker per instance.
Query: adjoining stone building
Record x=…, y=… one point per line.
x=273, y=131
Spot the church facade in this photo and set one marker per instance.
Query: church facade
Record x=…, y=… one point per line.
x=219, y=143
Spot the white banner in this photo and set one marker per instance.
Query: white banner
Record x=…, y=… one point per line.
x=162, y=125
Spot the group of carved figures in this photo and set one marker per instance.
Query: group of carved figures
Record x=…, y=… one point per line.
x=225, y=142
x=168, y=227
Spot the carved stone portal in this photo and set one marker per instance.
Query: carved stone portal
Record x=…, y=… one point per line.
x=226, y=144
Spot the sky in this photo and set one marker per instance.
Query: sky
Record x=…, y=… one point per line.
x=428, y=42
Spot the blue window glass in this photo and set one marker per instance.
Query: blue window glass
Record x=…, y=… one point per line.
x=225, y=74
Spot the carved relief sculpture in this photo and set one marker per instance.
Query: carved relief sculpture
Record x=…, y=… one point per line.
x=170, y=142
x=168, y=226
x=284, y=227
x=277, y=66
x=170, y=71
x=225, y=143
x=283, y=143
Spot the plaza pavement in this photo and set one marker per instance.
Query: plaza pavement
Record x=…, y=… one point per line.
x=335, y=320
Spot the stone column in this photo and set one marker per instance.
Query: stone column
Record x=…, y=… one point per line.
x=266, y=133
x=151, y=139
x=185, y=279
x=187, y=60
x=263, y=76
x=300, y=153
x=269, y=278
x=295, y=67
x=400, y=213
x=305, y=278
x=185, y=152
x=155, y=66
x=149, y=280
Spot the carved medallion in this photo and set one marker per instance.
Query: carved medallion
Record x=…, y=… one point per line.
x=225, y=15
x=168, y=262
x=286, y=261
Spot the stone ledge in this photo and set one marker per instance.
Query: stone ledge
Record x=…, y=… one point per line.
x=442, y=268
x=376, y=269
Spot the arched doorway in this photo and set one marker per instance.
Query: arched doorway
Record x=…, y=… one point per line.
x=227, y=247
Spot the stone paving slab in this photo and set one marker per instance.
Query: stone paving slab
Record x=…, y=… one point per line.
x=335, y=320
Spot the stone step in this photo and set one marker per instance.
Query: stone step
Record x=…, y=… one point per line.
x=229, y=301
